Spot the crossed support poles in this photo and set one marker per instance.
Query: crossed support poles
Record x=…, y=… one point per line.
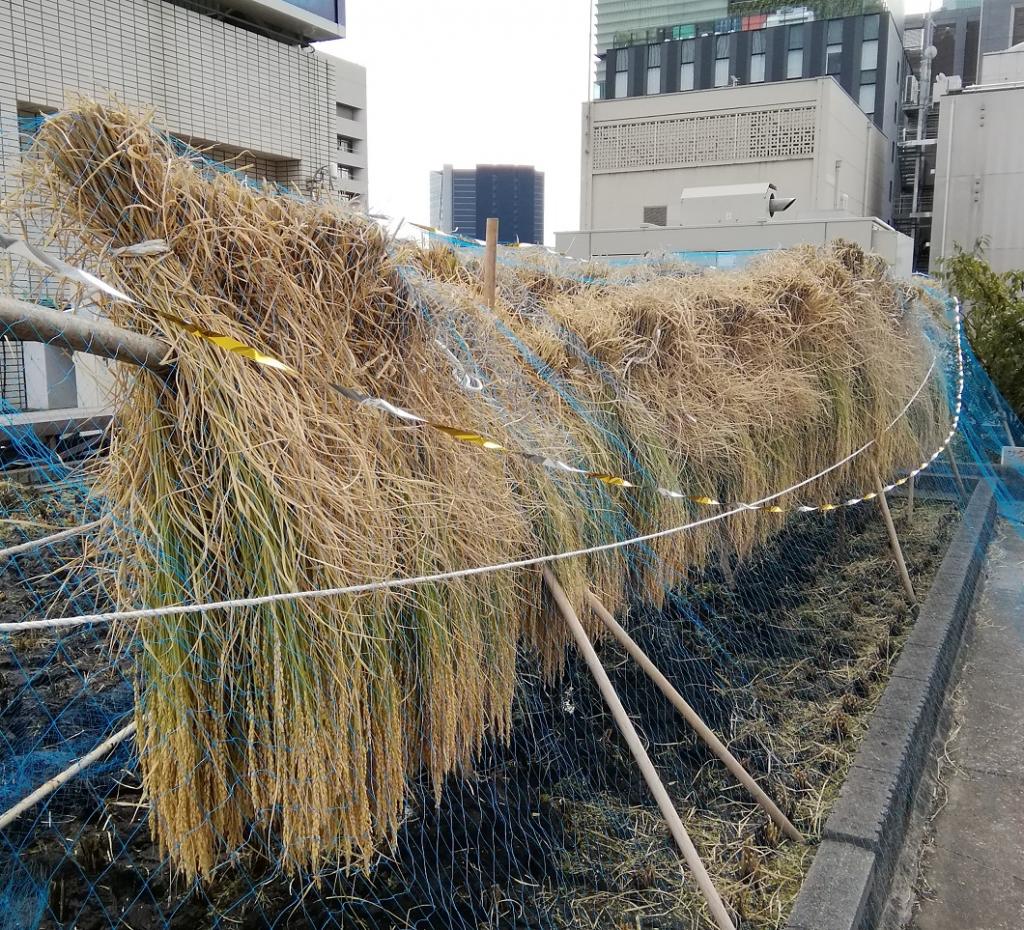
x=643, y=760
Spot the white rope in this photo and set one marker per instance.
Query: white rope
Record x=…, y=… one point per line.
x=393, y=583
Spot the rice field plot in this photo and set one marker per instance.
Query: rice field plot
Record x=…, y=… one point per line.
x=553, y=828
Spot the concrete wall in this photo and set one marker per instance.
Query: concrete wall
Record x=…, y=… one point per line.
x=1003, y=67
x=871, y=235
x=979, y=177
x=996, y=23
x=642, y=151
x=350, y=124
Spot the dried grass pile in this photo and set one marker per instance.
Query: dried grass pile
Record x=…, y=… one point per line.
x=295, y=726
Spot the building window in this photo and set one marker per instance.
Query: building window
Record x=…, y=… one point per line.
x=795, y=53
x=656, y=216
x=621, y=73
x=867, y=92
x=1017, y=26
x=721, y=61
x=345, y=144
x=757, y=52
x=871, y=27
x=686, y=67
x=654, y=69
x=345, y=173
x=345, y=112
x=869, y=55
x=834, y=46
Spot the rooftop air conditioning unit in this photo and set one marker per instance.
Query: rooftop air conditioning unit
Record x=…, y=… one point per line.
x=732, y=203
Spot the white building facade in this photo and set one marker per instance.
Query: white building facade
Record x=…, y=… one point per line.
x=239, y=79
x=808, y=137
x=979, y=173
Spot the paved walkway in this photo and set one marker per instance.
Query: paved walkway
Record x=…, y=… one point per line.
x=973, y=879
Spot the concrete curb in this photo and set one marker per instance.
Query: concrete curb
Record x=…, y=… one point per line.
x=849, y=879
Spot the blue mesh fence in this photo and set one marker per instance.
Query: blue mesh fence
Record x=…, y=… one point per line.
x=781, y=641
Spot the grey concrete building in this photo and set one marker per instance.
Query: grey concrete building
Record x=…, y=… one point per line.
x=238, y=78
x=808, y=137
x=862, y=52
x=979, y=177
x=636, y=22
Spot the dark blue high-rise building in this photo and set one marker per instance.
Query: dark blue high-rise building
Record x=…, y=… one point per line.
x=461, y=200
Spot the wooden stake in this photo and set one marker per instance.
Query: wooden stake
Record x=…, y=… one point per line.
x=956, y=471
x=910, y=501
x=490, y=261
x=643, y=760
x=725, y=563
x=693, y=719
x=894, y=540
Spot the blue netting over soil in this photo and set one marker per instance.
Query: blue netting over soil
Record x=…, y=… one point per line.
x=782, y=652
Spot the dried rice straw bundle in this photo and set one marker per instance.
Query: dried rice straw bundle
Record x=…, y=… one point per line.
x=298, y=724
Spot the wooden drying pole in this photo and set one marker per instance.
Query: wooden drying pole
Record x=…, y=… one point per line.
x=490, y=261
x=643, y=760
x=894, y=540
x=955, y=470
x=910, y=500
x=47, y=788
x=693, y=719
x=33, y=323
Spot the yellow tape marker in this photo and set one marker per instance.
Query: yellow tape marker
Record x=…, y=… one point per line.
x=471, y=437
x=230, y=344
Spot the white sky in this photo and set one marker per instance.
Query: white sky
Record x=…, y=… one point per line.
x=471, y=82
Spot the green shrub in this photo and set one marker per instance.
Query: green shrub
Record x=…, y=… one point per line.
x=993, y=315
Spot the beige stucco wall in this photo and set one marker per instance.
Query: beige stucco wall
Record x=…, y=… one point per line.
x=737, y=142
x=979, y=174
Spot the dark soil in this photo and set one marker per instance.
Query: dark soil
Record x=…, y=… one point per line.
x=554, y=829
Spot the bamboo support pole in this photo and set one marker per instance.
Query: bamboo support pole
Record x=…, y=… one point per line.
x=693, y=719
x=32, y=323
x=47, y=788
x=643, y=760
x=53, y=538
x=910, y=501
x=490, y=261
x=956, y=471
x=894, y=540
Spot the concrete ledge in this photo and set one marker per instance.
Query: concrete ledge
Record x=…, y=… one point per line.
x=849, y=879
